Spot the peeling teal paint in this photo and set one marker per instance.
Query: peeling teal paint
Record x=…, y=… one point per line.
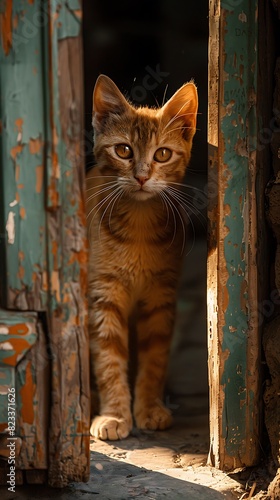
x=22, y=116
x=69, y=21
x=238, y=123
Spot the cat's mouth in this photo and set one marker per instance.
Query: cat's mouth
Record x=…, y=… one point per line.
x=142, y=194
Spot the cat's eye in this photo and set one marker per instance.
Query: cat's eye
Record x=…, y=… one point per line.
x=162, y=154
x=124, y=151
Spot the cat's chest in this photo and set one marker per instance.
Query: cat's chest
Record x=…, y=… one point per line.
x=137, y=244
x=141, y=245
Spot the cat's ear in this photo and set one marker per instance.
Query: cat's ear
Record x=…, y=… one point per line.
x=181, y=110
x=106, y=99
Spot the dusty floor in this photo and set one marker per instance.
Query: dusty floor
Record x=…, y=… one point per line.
x=148, y=465
x=169, y=464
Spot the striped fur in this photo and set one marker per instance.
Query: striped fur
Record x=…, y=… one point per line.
x=136, y=235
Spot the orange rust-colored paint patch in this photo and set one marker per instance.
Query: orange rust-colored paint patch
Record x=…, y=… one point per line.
x=55, y=283
x=27, y=392
x=19, y=345
x=18, y=329
x=54, y=247
x=78, y=14
x=17, y=171
x=16, y=150
x=21, y=272
x=18, y=124
x=21, y=255
x=80, y=256
x=39, y=178
x=55, y=253
x=227, y=209
x=17, y=197
x=35, y=145
x=22, y=212
x=6, y=27
x=53, y=194
x=55, y=164
x=45, y=281
x=82, y=427
x=20, y=186
x=15, y=21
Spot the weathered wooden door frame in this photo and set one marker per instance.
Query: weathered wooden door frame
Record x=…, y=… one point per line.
x=43, y=245
x=234, y=321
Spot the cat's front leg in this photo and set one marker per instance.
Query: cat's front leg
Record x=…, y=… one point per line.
x=109, y=355
x=154, y=336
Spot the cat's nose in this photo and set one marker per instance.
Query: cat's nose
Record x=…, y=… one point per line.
x=141, y=179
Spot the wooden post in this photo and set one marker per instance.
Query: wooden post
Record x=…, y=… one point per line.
x=233, y=316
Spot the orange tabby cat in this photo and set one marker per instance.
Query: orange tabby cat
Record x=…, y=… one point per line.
x=136, y=234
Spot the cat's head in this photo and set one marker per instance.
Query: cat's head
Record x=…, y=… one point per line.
x=146, y=149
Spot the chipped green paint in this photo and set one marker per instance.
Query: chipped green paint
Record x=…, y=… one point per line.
x=69, y=21
x=23, y=245
x=239, y=130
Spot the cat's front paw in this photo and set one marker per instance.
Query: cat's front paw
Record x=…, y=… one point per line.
x=156, y=417
x=107, y=427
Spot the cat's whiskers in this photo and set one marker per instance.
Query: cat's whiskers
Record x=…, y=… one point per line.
x=165, y=196
x=188, y=216
x=99, y=206
x=187, y=186
x=164, y=95
x=166, y=208
x=179, y=191
x=103, y=190
x=112, y=207
x=182, y=197
x=116, y=194
x=107, y=183
x=180, y=217
x=101, y=176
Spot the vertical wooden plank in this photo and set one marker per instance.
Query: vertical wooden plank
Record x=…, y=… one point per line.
x=67, y=243
x=212, y=261
x=22, y=241
x=234, y=339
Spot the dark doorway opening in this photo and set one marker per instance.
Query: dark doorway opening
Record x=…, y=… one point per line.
x=150, y=50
